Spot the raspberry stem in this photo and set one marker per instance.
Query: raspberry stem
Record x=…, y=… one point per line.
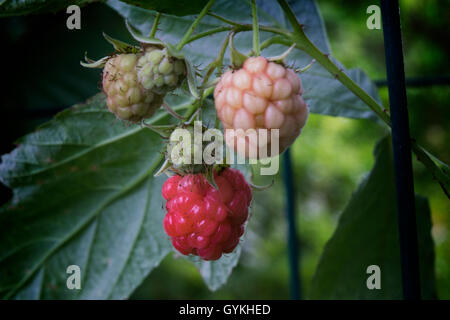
x=208, y=33
x=256, y=48
x=195, y=105
x=216, y=64
x=171, y=112
x=155, y=25
x=239, y=27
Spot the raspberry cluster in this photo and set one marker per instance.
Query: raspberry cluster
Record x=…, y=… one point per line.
x=136, y=83
x=202, y=220
x=261, y=95
x=126, y=98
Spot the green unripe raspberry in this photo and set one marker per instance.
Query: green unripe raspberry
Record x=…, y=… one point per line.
x=160, y=72
x=126, y=97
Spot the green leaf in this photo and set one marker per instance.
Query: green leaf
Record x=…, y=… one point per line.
x=323, y=93
x=216, y=273
x=438, y=169
x=84, y=194
x=367, y=235
x=23, y=7
x=175, y=7
x=326, y=95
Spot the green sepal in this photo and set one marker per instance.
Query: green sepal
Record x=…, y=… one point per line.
x=218, y=168
x=94, y=64
x=305, y=68
x=191, y=80
x=259, y=187
x=237, y=58
x=121, y=46
x=280, y=58
x=164, y=168
x=138, y=36
x=209, y=175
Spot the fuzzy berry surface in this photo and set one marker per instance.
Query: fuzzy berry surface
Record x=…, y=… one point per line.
x=159, y=72
x=202, y=220
x=261, y=95
x=125, y=96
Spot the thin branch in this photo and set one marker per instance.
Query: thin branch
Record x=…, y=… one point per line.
x=155, y=25
x=239, y=27
x=208, y=33
x=235, y=24
x=256, y=48
x=171, y=112
x=290, y=16
x=194, y=25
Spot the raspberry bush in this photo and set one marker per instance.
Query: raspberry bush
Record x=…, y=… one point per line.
x=93, y=192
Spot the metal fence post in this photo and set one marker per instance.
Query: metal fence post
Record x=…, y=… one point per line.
x=401, y=142
x=294, y=280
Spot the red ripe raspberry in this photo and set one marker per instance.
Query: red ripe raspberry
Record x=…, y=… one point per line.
x=261, y=95
x=202, y=220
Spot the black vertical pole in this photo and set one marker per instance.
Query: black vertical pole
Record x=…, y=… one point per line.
x=401, y=142
x=291, y=226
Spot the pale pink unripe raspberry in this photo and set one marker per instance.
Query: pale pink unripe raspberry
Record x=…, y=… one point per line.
x=261, y=95
x=125, y=96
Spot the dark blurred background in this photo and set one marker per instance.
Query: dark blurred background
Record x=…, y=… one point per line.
x=41, y=76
